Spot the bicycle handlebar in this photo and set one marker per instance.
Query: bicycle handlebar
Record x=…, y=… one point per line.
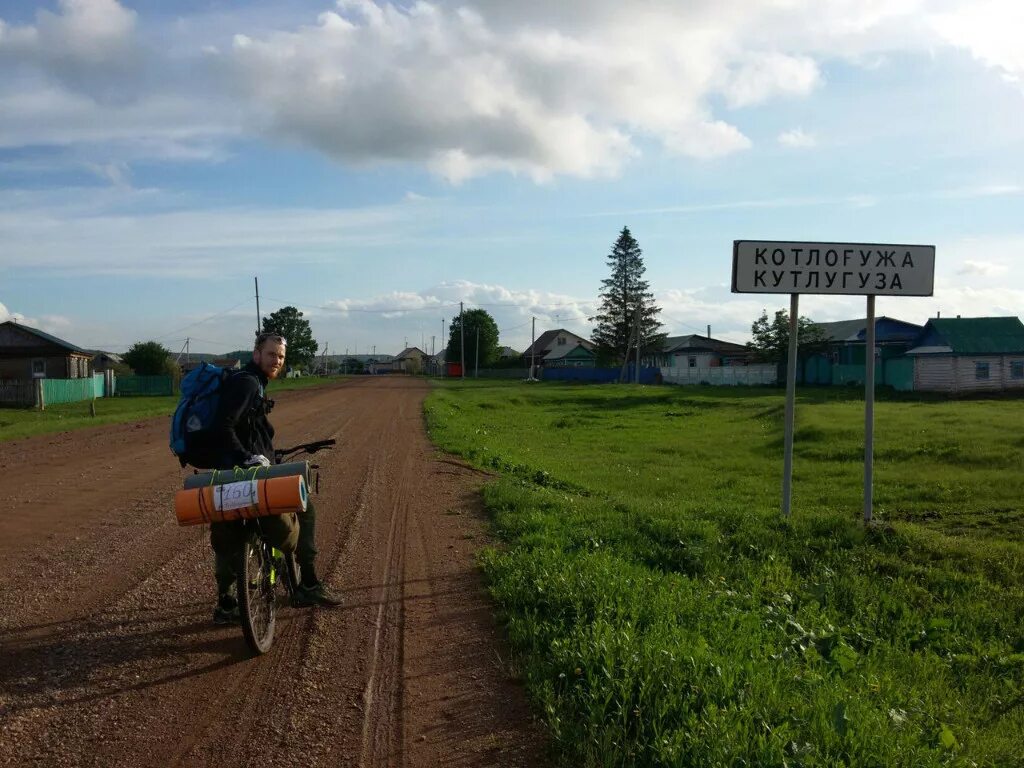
x=313, y=447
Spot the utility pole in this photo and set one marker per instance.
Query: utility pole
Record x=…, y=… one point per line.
x=533, y=342
x=477, y=359
x=636, y=373
x=188, y=351
x=629, y=347
x=462, y=333
x=259, y=322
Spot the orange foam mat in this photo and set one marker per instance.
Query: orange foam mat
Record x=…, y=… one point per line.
x=242, y=500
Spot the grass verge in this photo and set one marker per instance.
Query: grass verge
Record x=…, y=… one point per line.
x=21, y=422
x=663, y=614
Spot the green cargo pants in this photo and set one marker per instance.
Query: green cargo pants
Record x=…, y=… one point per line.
x=289, y=533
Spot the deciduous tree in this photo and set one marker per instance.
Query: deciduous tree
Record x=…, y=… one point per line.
x=474, y=319
x=149, y=358
x=771, y=339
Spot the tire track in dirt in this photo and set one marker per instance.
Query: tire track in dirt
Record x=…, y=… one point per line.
x=118, y=664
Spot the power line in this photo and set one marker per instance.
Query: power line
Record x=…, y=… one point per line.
x=432, y=308
x=199, y=322
x=680, y=322
x=514, y=327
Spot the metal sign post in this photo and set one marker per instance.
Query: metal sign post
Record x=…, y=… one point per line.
x=859, y=269
x=787, y=461
x=869, y=410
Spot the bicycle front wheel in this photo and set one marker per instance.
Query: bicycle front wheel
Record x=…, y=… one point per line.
x=256, y=602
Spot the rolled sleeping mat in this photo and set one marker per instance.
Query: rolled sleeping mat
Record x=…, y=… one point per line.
x=222, y=476
x=245, y=499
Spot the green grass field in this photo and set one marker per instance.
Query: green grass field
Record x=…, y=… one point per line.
x=21, y=422
x=663, y=614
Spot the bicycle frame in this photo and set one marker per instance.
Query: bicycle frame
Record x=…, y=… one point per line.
x=260, y=567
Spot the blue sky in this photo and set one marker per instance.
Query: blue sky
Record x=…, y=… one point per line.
x=375, y=164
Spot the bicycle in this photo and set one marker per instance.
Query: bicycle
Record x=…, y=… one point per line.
x=260, y=566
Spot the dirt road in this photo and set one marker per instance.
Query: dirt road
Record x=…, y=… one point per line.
x=108, y=656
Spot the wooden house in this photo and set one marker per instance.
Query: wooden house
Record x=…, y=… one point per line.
x=970, y=354
x=28, y=353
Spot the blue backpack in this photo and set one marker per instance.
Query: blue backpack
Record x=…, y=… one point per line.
x=193, y=439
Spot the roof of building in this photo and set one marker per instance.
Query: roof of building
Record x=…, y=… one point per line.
x=226, y=362
x=546, y=340
x=567, y=349
x=696, y=341
x=112, y=356
x=843, y=330
x=856, y=330
x=972, y=336
x=507, y=352
x=408, y=352
x=49, y=338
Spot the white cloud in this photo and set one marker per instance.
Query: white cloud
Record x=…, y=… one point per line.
x=535, y=88
x=54, y=324
x=768, y=75
x=512, y=309
x=6, y=314
x=86, y=46
x=797, y=138
x=982, y=268
x=990, y=29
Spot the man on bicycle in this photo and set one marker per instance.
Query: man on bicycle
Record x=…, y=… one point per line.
x=246, y=439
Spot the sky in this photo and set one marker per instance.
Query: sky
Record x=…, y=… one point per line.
x=375, y=164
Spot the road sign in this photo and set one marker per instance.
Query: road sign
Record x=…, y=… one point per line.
x=858, y=269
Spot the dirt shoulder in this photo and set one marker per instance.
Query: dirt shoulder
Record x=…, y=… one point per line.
x=108, y=656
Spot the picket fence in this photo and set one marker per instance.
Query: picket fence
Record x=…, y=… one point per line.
x=726, y=375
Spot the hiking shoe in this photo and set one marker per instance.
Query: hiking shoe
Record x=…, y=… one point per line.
x=226, y=610
x=317, y=594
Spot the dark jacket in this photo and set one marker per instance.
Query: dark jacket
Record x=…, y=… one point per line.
x=241, y=421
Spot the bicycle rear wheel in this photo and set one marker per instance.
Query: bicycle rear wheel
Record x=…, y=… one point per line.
x=256, y=601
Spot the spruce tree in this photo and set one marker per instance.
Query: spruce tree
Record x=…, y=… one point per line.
x=619, y=297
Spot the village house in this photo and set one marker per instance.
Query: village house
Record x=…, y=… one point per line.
x=27, y=353
x=105, y=361
x=560, y=349
x=970, y=354
x=695, y=351
x=409, y=360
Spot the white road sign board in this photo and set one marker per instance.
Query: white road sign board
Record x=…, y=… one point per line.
x=858, y=269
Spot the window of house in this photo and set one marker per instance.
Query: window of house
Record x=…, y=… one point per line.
x=38, y=367
x=981, y=371
x=692, y=361
x=1017, y=369
x=561, y=339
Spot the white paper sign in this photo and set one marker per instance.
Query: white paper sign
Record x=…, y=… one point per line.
x=859, y=269
x=236, y=495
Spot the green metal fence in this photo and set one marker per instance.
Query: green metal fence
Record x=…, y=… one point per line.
x=129, y=386
x=56, y=391
x=897, y=373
